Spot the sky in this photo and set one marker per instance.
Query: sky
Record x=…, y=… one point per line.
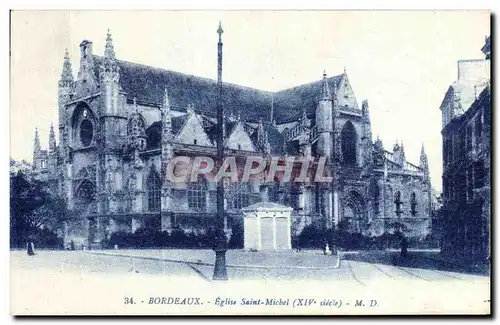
x=402, y=62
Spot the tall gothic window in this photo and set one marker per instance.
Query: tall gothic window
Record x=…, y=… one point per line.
x=397, y=202
x=154, y=191
x=197, y=194
x=349, y=144
x=86, y=132
x=413, y=204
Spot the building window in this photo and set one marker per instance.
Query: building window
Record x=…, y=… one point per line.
x=86, y=132
x=413, y=204
x=377, y=198
x=240, y=195
x=469, y=138
x=479, y=174
x=154, y=191
x=197, y=194
x=349, y=144
x=478, y=127
x=397, y=202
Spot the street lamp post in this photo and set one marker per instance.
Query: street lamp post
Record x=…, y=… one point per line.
x=220, y=247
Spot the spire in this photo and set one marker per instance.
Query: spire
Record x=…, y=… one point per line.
x=165, y=116
x=303, y=120
x=378, y=144
x=261, y=137
x=423, y=158
x=272, y=107
x=136, y=109
x=52, y=138
x=220, y=31
x=109, y=51
x=36, y=145
x=67, y=73
x=267, y=145
x=166, y=101
x=325, y=90
x=365, y=110
x=386, y=173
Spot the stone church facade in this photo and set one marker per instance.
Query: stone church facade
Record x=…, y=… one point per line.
x=120, y=123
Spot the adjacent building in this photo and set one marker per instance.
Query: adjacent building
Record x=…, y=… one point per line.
x=120, y=123
x=466, y=112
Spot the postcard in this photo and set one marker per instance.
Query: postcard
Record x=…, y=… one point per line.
x=250, y=162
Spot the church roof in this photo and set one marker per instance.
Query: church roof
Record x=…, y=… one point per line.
x=288, y=103
x=147, y=84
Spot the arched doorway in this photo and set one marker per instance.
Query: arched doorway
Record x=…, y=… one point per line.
x=85, y=206
x=354, y=211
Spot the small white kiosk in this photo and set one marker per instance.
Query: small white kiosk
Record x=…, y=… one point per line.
x=267, y=226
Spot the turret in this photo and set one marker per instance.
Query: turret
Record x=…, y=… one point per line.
x=64, y=92
x=424, y=165
x=399, y=154
x=52, y=139
x=52, y=152
x=261, y=136
x=378, y=152
x=366, y=138
x=324, y=120
x=166, y=118
x=110, y=78
x=36, y=147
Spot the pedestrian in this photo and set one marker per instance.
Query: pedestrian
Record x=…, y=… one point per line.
x=404, y=248
x=324, y=246
x=30, y=247
x=72, y=245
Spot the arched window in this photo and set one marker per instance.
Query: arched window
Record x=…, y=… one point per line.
x=85, y=197
x=197, y=194
x=349, y=139
x=86, y=132
x=397, y=202
x=85, y=191
x=153, y=134
x=154, y=191
x=376, y=198
x=413, y=204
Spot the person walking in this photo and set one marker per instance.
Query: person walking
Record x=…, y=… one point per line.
x=30, y=248
x=404, y=248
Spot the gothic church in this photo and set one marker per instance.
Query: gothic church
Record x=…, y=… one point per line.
x=120, y=123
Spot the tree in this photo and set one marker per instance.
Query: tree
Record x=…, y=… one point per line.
x=34, y=210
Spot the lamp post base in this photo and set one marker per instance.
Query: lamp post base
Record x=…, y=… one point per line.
x=220, y=270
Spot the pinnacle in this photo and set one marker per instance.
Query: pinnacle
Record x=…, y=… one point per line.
x=325, y=91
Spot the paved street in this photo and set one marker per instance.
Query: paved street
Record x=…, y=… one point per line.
x=361, y=268
x=98, y=281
